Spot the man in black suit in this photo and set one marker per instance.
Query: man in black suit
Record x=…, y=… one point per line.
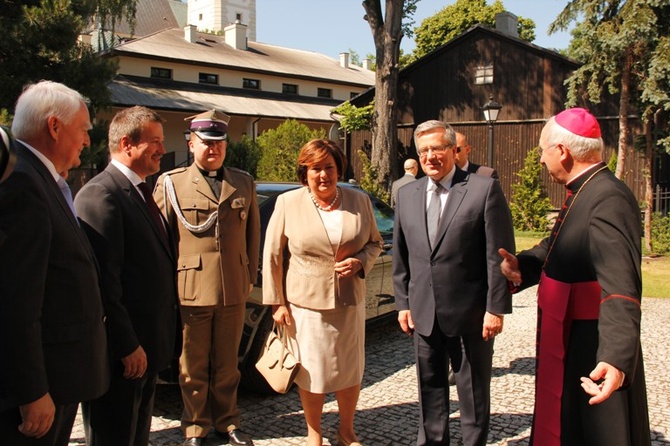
x=449, y=290
x=52, y=331
x=7, y=157
x=138, y=262
x=462, y=159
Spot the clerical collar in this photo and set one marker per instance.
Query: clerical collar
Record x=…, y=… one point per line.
x=215, y=174
x=575, y=183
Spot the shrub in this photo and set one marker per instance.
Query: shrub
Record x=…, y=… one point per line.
x=660, y=233
x=369, y=179
x=280, y=148
x=530, y=204
x=244, y=154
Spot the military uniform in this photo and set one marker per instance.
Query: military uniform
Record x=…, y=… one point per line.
x=215, y=219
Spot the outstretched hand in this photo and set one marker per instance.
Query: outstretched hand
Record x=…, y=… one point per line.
x=510, y=266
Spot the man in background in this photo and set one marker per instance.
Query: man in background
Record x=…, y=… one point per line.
x=411, y=169
x=52, y=331
x=137, y=258
x=462, y=154
x=213, y=212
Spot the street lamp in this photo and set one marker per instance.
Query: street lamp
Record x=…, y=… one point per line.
x=491, y=110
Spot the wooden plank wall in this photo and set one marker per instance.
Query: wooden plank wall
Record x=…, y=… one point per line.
x=512, y=141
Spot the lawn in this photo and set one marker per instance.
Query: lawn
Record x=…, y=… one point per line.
x=655, y=270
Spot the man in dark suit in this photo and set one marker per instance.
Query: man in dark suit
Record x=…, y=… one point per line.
x=411, y=168
x=52, y=330
x=449, y=290
x=138, y=262
x=462, y=159
x=7, y=157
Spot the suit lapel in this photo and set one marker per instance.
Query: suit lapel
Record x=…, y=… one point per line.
x=201, y=185
x=56, y=194
x=129, y=190
x=227, y=187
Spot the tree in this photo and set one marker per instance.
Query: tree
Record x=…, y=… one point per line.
x=530, y=204
x=454, y=19
x=244, y=154
x=41, y=41
x=387, y=31
x=624, y=47
x=280, y=148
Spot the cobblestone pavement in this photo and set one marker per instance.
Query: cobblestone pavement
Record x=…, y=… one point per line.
x=388, y=410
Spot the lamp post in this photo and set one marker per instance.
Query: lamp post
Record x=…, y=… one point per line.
x=491, y=110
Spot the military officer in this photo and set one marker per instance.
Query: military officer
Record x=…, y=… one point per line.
x=213, y=212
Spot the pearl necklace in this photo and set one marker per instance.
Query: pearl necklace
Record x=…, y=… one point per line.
x=332, y=203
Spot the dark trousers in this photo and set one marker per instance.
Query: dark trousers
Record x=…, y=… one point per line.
x=471, y=359
x=58, y=435
x=122, y=416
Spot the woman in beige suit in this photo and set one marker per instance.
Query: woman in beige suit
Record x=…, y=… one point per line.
x=330, y=240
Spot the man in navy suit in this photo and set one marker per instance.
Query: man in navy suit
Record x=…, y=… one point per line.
x=463, y=162
x=52, y=330
x=449, y=291
x=138, y=262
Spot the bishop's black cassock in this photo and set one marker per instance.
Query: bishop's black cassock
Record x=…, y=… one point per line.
x=589, y=311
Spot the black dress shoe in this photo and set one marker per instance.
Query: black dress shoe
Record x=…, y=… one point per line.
x=194, y=441
x=236, y=437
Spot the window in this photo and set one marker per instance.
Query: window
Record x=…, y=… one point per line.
x=324, y=92
x=484, y=74
x=251, y=83
x=238, y=17
x=161, y=73
x=352, y=95
x=200, y=17
x=208, y=78
x=289, y=88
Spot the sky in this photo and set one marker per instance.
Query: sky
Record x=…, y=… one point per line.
x=333, y=26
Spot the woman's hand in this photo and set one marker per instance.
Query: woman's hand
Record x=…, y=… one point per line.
x=281, y=315
x=348, y=267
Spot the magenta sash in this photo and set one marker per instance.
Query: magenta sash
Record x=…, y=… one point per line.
x=561, y=303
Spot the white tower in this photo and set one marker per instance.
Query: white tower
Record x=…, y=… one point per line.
x=215, y=15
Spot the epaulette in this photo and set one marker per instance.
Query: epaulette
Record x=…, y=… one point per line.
x=235, y=169
x=177, y=170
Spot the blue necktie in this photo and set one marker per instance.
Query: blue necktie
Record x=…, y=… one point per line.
x=67, y=194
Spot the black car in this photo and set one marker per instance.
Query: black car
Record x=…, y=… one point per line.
x=379, y=303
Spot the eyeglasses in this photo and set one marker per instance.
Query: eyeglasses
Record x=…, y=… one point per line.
x=437, y=150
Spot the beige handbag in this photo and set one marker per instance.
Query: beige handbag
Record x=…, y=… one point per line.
x=276, y=362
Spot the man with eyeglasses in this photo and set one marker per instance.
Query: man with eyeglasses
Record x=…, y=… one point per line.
x=462, y=158
x=449, y=292
x=212, y=210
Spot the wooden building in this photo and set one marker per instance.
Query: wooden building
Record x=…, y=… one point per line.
x=454, y=81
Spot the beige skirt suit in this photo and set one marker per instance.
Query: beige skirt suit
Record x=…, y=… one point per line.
x=328, y=312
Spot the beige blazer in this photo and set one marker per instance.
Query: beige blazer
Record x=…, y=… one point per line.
x=220, y=263
x=308, y=278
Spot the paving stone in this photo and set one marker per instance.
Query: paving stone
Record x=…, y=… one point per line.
x=388, y=407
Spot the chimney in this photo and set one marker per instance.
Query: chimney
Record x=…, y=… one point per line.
x=507, y=23
x=344, y=60
x=367, y=64
x=191, y=33
x=235, y=35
